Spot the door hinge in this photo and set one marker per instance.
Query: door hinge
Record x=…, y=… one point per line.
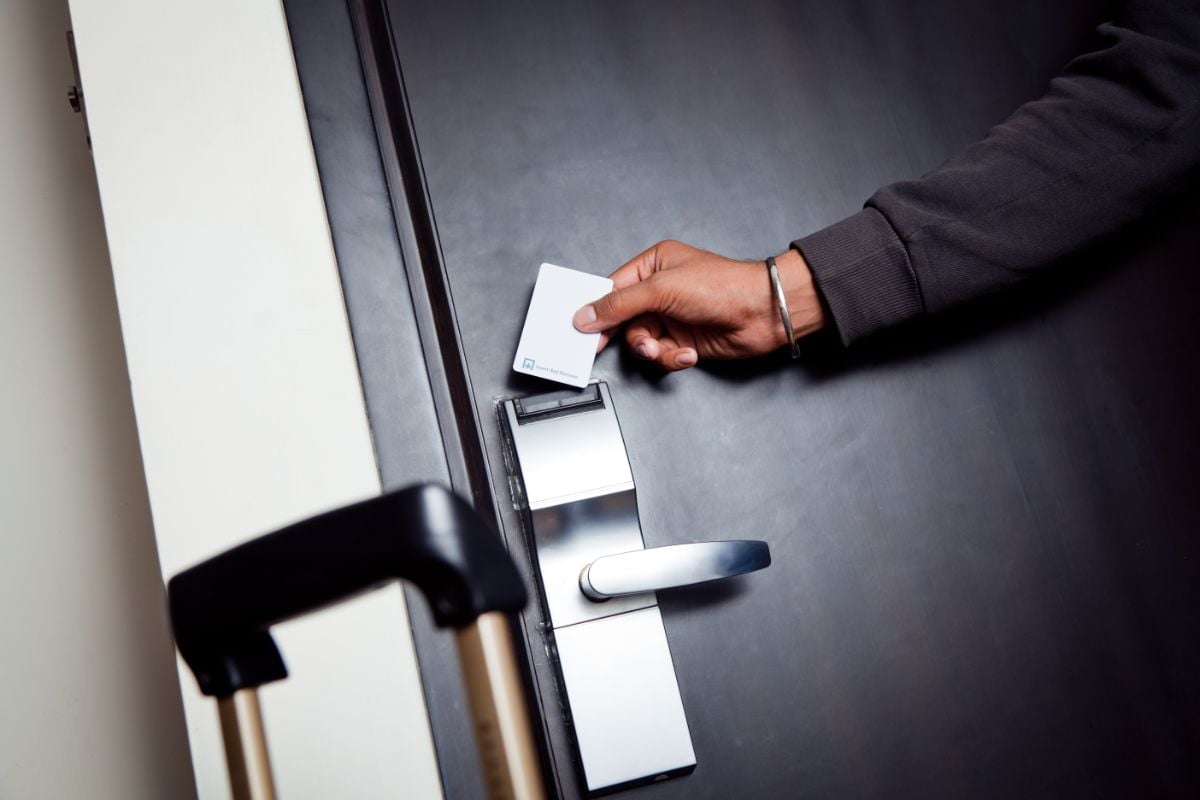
x=75, y=92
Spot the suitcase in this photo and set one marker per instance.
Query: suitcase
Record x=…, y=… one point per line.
x=222, y=610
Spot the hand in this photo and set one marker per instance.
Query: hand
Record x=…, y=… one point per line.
x=683, y=304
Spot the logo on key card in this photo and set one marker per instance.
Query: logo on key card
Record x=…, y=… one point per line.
x=527, y=364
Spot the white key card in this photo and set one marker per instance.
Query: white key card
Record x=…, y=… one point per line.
x=550, y=347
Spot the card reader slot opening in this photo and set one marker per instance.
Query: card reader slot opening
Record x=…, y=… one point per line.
x=558, y=404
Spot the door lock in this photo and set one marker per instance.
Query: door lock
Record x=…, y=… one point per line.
x=571, y=478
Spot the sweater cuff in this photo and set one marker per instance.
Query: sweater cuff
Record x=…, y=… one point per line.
x=861, y=270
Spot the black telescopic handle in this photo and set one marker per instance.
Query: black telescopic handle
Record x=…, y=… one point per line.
x=222, y=609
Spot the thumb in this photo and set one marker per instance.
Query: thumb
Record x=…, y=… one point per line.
x=620, y=305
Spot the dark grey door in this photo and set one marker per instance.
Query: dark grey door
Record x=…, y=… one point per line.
x=986, y=565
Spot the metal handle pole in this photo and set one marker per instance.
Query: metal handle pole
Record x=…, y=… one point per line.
x=502, y=729
x=245, y=746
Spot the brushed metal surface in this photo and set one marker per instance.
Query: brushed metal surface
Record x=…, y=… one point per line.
x=569, y=537
x=571, y=457
x=626, y=712
x=671, y=566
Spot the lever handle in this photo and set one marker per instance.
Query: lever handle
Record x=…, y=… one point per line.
x=673, y=565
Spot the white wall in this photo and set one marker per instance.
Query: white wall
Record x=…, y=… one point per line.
x=249, y=407
x=89, y=700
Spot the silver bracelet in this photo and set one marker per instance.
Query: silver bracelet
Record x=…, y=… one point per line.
x=783, y=309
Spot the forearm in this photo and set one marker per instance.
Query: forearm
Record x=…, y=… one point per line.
x=1114, y=134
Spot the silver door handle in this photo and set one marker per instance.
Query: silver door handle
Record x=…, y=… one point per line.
x=673, y=565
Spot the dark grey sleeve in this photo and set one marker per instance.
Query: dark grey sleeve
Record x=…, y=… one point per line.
x=1115, y=134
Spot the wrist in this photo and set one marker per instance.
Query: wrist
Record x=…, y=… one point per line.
x=803, y=302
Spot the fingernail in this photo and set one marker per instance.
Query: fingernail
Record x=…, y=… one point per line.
x=584, y=317
x=643, y=349
x=686, y=359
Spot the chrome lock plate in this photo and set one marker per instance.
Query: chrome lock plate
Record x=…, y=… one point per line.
x=572, y=481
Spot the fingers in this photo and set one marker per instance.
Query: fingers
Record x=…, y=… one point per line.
x=673, y=357
x=642, y=335
x=634, y=295
x=679, y=359
x=633, y=272
x=649, y=339
x=616, y=307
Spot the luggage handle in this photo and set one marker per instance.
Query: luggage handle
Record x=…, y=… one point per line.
x=222, y=610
